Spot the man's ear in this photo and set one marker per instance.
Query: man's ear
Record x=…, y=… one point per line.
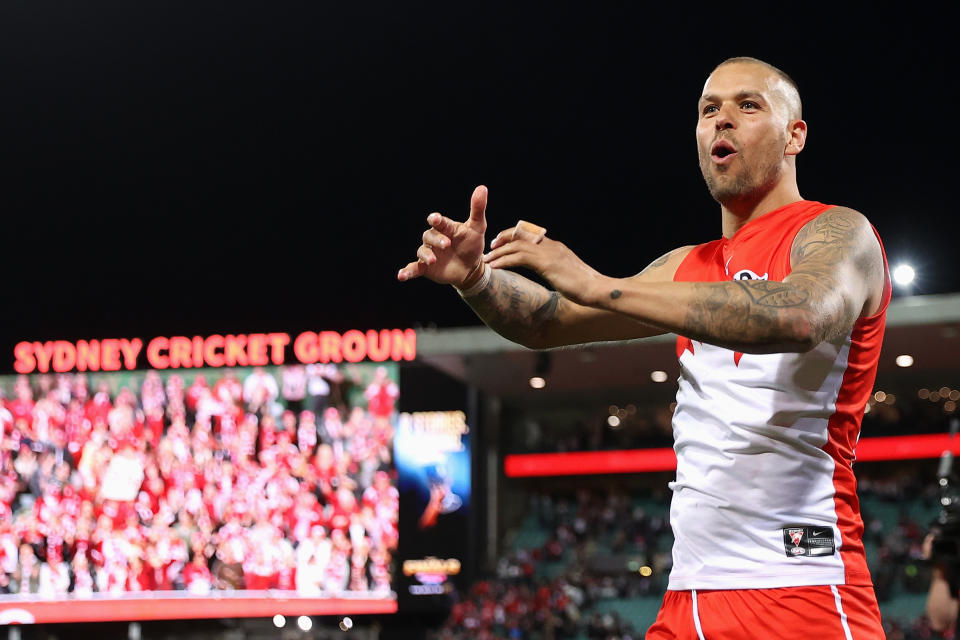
x=797, y=132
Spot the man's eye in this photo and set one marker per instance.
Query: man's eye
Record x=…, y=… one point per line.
x=749, y=105
x=710, y=108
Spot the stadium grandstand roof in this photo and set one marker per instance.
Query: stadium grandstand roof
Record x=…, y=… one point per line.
x=924, y=327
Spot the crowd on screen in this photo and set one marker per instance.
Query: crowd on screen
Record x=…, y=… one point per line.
x=269, y=481
x=594, y=542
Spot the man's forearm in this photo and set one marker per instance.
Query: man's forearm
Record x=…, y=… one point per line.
x=753, y=316
x=517, y=308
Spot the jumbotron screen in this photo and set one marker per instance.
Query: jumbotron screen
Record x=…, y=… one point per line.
x=209, y=483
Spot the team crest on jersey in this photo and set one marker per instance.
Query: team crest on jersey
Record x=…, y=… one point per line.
x=796, y=535
x=747, y=274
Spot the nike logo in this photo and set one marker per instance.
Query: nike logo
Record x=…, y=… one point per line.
x=817, y=533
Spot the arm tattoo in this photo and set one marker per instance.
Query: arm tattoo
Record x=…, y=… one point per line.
x=773, y=294
x=747, y=312
x=833, y=240
x=815, y=303
x=515, y=307
x=825, y=235
x=659, y=262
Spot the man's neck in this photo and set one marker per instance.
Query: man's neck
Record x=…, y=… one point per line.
x=735, y=214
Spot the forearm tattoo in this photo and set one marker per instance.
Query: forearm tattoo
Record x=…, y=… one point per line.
x=745, y=312
x=515, y=307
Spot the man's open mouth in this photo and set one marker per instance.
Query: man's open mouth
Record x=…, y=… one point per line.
x=721, y=150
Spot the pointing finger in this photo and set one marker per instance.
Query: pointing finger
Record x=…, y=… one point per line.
x=411, y=271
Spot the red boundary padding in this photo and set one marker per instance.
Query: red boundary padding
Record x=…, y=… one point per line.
x=156, y=606
x=663, y=459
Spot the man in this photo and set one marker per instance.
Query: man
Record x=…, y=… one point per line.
x=941, y=607
x=781, y=322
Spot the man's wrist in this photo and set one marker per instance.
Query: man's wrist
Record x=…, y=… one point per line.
x=477, y=281
x=602, y=292
x=473, y=277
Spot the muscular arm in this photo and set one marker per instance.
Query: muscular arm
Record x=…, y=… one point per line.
x=837, y=276
x=527, y=313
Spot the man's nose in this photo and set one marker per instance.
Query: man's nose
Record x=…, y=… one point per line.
x=725, y=119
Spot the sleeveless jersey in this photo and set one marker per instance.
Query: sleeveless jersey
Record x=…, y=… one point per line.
x=765, y=494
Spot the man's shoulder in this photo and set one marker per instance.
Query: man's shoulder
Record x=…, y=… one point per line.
x=837, y=221
x=842, y=213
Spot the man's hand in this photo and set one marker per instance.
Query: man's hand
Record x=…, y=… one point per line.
x=926, y=548
x=451, y=252
x=571, y=276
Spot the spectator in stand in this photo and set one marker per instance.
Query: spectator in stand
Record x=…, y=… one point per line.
x=228, y=566
x=228, y=390
x=21, y=408
x=312, y=556
x=320, y=377
x=152, y=396
x=307, y=433
x=337, y=572
x=193, y=394
x=84, y=581
x=26, y=577
x=293, y=387
x=260, y=391
x=176, y=398
x=381, y=395
x=197, y=576
x=139, y=574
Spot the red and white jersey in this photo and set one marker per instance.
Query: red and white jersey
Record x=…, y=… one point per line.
x=765, y=494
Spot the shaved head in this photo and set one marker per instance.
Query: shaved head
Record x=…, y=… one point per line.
x=749, y=131
x=783, y=85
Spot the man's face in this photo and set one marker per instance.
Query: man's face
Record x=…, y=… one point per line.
x=742, y=130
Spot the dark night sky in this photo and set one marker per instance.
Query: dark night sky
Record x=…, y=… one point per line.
x=238, y=167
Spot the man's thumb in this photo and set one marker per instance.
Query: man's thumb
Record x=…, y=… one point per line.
x=478, y=205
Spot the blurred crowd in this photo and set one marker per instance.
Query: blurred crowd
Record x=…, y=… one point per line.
x=609, y=547
x=269, y=481
x=642, y=425
x=597, y=547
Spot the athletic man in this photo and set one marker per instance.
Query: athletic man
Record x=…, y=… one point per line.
x=781, y=321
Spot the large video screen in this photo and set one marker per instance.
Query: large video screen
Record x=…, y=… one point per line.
x=174, y=493
x=433, y=455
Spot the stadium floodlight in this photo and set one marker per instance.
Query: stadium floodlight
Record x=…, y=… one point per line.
x=305, y=623
x=540, y=370
x=904, y=360
x=279, y=621
x=346, y=624
x=904, y=274
x=658, y=376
